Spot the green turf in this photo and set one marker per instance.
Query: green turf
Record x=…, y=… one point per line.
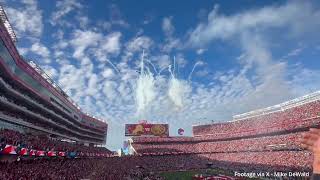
x=178, y=175
x=187, y=175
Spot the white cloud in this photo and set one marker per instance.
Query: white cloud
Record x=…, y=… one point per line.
x=170, y=42
x=23, y=51
x=27, y=19
x=304, y=80
x=162, y=61
x=93, y=86
x=83, y=21
x=40, y=49
x=64, y=7
x=200, y=51
x=167, y=26
x=139, y=44
x=108, y=73
x=249, y=30
x=111, y=43
x=116, y=16
x=90, y=46
x=202, y=73
x=109, y=90
x=71, y=78
x=181, y=61
x=51, y=72
x=105, y=25
x=102, y=44
x=294, y=52
x=288, y=15
x=82, y=40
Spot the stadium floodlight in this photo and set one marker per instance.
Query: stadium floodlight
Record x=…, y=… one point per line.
x=4, y=19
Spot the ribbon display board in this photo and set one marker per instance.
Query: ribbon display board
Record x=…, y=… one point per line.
x=147, y=130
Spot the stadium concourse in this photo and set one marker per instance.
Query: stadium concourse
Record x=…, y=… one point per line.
x=45, y=135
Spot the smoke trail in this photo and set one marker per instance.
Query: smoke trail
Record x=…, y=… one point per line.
x=194, y=67
x=145, y=91
x=177, y=89
x=154, y=68
x=114, y=67
x=174, y=65
x=162, y=70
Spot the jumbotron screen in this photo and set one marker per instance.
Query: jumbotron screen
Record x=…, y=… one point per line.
x=147, y=130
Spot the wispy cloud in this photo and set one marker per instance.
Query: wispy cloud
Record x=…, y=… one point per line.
x=171, y=42
x=116, y=17
x=248, y=29
x=64, y=7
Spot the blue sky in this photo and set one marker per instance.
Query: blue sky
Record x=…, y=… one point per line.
x=249, y=55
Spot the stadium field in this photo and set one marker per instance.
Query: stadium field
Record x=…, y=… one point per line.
x=187, y=175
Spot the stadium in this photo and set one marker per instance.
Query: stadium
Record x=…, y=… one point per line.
x=45, y=135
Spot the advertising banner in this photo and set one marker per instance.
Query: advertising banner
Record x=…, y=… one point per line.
x=147, y=130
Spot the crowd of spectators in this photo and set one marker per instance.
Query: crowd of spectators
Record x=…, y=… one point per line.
x=137, y=167
x=241, y=155
x=280, y=142
x=74, y=169
x=42, y=142
x=305, y=115
x=259, y=161
x=269, y=141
